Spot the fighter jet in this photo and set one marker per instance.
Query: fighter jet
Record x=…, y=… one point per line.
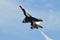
x=29, y=19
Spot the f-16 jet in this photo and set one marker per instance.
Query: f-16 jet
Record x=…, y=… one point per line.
x=35, y=23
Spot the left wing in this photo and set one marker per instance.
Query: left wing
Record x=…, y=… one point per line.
x=25, y=12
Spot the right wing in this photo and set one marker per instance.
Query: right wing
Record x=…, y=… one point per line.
x=35, y=19
x=25, y=12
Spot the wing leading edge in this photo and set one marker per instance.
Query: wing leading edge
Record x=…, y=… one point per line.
x=25, y=12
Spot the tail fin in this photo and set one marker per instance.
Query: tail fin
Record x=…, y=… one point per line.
x=40, y=26
x=25, y=20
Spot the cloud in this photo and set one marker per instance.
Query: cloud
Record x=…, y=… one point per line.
x=7, y=11
x=6, y=3
x=53, y=20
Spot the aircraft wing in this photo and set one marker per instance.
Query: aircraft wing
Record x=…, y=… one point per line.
x=35, y=19
x=25, y=11
x=36, y=26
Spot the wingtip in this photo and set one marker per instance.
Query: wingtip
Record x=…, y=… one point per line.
x=20, y=6
x=41, y=20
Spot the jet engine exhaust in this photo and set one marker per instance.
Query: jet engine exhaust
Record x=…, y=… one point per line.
x=45, y=36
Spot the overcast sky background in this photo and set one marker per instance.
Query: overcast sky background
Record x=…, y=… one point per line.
x=12, y=28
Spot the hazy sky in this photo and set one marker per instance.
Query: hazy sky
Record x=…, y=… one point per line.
x=12, y=28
